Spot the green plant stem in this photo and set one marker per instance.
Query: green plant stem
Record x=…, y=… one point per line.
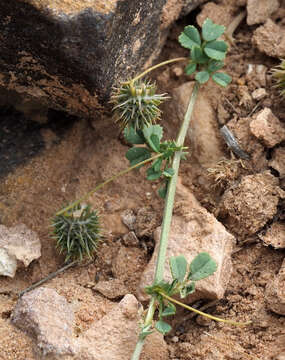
x=167, y=216
x=112, y=178
x=157, y=66
x=202, y=313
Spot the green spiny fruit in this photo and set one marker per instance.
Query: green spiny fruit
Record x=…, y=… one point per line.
x=279, y=75
x=136, y=104
x=77, y=232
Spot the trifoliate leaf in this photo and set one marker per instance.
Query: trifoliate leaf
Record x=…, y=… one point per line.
x=202, y=77
x=222, y=79
x=153, y=135
x=190, y=68
x=215, y=66
x=198, y=56
x=152, y=174
x=211, y=31
x=137, y=154
x=201, y=267
x=190, y=37
x=178, y=267
x=132, y=136
x=216, y=50
x=162, y=327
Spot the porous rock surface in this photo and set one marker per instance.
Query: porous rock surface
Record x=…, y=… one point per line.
x=48, y=318
x=258, y=11
x=278, y=161
x=67, y=54
x=194, y=230
x=248, y=206
x=275, y=235
x=275, y=292
x=270, y=39
x=19, y=246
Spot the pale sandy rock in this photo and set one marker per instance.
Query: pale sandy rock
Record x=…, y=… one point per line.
x=278, y=161
x=19, y=246
x=221, y=14
x=275, y=292
x=248, y=206
x=203, y=134
x=267, y=128
x=111, y=289
x=256, y=75
x=258, y=11
x=275, y=235
x=259, y=94
x=194, y=230
x=270, y=39
x=48, y=318
x=129, y=218
x=114, y=336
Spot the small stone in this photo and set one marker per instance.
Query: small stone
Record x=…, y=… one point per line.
x=280, y=356
x=267, y=128
x=259, y=94
x=275, y=292
x=130, y=239
x=19, y=246
x=129, y=218
x=203, y=321
x=111, y=289
x=146, y=221
x=258, y=11
x=270, y=39
x=177, y=71
x=194, y=230
x=48, y=318
x=275, y=235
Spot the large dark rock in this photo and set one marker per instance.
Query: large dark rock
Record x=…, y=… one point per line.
x=67, y=54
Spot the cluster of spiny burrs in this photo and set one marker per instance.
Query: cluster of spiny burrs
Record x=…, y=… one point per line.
x=77, y=232
x=136, y=104
x=279, y=75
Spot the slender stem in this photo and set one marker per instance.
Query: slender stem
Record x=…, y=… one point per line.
x=204, y=314
x=49, y=277
x=169, y=202
x=167, y=216
x=157, y=66
x=112, y=178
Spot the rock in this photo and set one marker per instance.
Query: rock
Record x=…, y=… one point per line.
x=19, y=246
x=82, y=47
x=221, y=14
x=275, y=235
x=278, y=161
x=258, y=11
x=129, y=218
x=259, y=94
x=48, y=318
x=203, y=134
x=256, y=75
x=280, y=356
x=111, y=289
x=248, y=206
x=146, y=221
x=114, y=336
x=130, y=239
x=194, y=230
x=270, y=39
x=267, y=128
x=275, y=292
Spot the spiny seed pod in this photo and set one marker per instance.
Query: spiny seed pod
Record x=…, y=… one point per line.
x=136, y=104
x=279, y=75
x=77, y=232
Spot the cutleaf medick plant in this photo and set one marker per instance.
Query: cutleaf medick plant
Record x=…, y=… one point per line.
x=136, y=109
